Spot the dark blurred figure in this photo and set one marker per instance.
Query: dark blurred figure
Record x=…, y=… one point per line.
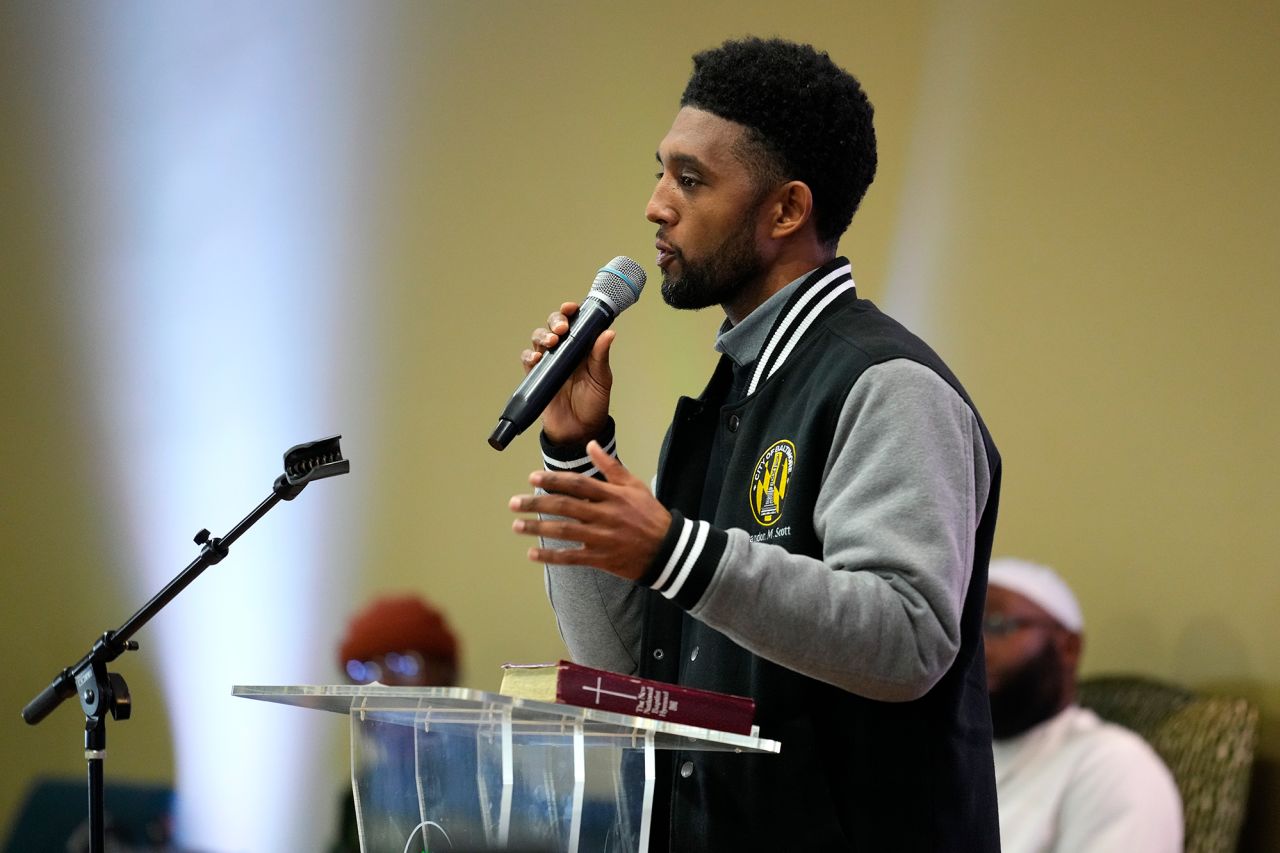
x=1066, y=781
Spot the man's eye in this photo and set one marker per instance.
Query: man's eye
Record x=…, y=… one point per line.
x=688, y=181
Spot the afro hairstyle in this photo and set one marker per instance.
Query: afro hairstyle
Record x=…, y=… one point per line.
x=810, y=117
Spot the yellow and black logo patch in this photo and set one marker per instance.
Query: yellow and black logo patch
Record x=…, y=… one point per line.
x=769, y=482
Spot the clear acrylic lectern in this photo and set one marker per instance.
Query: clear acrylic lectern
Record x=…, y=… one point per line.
x=446, y=768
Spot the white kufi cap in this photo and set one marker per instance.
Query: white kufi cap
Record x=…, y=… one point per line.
x=1041, y=585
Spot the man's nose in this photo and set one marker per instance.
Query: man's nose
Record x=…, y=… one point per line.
x=658, y=210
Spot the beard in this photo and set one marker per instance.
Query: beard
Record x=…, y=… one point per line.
x=729, y=269
x=1029, y=696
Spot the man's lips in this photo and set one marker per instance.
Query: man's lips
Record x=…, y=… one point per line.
x=666, y=253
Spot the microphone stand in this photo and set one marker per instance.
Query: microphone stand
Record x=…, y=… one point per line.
x=102, y=692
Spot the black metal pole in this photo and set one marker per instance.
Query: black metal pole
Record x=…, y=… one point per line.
x=212, y=550
x=112, y=644
x=95, y=751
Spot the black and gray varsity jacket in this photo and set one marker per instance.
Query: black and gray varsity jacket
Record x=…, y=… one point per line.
x=833, y=507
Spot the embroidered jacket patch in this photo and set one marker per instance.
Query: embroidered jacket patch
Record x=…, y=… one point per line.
x=769, y=482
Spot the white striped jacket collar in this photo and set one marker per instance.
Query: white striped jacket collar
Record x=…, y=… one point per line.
x=813, y=296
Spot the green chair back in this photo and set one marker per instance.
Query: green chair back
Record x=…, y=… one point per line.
x=1207, y=742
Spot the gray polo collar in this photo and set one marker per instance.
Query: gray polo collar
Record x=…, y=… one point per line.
x=743, y=342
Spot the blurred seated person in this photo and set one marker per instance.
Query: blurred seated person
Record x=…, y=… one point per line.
x=398, y=640
x=1066, y=781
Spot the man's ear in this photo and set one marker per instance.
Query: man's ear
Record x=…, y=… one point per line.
x=1071, y=645
x=791, y=210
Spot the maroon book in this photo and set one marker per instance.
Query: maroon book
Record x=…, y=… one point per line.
x=573, y=684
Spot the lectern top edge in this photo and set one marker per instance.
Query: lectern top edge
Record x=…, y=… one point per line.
x=464, y=706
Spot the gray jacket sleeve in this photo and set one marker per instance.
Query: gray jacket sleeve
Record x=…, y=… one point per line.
x=599, y=615
x=904, y=485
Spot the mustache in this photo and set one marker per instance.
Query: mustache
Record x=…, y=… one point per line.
x=661, y=237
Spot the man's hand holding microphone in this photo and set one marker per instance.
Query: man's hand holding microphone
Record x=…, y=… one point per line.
x=617, y=521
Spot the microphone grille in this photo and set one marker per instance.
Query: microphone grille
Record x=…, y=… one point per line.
x=618, y=284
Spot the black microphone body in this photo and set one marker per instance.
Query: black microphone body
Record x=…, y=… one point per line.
x=617, y=286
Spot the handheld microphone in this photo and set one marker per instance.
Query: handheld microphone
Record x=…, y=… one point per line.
x=616, y=288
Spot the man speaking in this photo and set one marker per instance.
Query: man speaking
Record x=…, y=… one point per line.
x=824, y=510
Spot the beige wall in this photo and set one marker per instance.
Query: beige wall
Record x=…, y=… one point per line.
x=1077, y=206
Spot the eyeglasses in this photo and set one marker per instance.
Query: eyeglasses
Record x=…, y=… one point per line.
x=406, y=665
x=999, y=625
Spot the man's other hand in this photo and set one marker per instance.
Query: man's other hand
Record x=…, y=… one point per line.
x=618, y=522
